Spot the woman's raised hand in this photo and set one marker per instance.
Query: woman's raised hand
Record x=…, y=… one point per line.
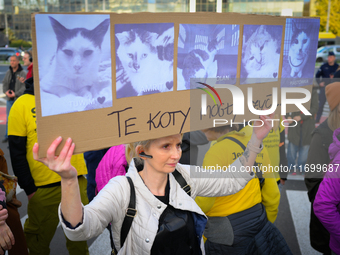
x=60, y=164
x=262, y=131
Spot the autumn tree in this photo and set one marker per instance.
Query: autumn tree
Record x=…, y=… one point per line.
x=334, y=19
x=11, y=34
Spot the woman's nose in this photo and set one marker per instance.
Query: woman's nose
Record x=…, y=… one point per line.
x=176, y=153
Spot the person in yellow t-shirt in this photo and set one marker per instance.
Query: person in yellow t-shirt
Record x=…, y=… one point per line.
x=275, y=145
x=41, y=185
x=236, y=221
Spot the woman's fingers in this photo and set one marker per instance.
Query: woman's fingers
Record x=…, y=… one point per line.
x=70, y=152
x=51, y=159
x=50, y=155
x=35, y=153
x=60, y=164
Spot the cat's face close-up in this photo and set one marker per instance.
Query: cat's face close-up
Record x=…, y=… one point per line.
x=78, y=52
x=136, y=52
x=299, y=47
x=258, y=50
x=136, y=57
x=79, y=57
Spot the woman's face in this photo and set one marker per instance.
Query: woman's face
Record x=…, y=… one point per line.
x=165, y=152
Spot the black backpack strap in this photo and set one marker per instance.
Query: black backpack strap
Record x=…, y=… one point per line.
x=130, y=214
x=236, y=141
x=182, y=182
x=258, y=173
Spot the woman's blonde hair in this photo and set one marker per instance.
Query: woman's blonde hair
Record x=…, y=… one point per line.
x=130, y=150
x=334, y=118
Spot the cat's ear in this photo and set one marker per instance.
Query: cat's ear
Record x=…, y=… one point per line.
x=294, y=27
x=123, y=37
x=99, y=32
x=152, y=39
x=166, y=37
x=261, y=29
x=59, y=30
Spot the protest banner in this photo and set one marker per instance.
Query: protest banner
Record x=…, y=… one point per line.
x=105, y=79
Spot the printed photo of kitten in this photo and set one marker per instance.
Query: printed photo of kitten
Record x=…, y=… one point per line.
x=260, y=53
x=207, y=52
x=300, y=45
x=144, y=58
x=74, y=58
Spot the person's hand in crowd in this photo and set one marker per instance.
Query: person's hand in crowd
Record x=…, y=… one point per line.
x=60, y=164
x=322, y=84
x=22, y=79
x=3, y=215
x=10, y=93
x=260, y=132
x=6, y=238
x=6, y=235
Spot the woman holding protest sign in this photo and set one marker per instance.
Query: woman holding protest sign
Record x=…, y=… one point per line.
x=166, y=219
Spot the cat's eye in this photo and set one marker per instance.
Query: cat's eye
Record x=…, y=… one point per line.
x=130, y=55
x=87, y=53
x=68, y=52
x=251, y=58
x=144, y=55
x=304, y=41
x=296, y=41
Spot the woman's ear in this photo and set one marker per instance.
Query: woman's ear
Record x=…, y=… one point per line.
x=139, y=149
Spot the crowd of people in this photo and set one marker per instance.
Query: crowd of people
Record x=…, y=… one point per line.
x=144, y=193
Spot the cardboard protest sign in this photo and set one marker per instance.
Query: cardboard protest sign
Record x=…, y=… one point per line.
x=107, y=79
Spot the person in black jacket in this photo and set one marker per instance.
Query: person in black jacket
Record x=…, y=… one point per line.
x=326, y=72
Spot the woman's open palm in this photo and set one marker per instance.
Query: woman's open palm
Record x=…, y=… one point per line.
x=60, y=164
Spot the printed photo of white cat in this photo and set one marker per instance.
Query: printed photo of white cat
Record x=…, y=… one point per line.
x=299, y=54
x=207, y=52
x=144, y=58
x=260, y=53
x=74, y=56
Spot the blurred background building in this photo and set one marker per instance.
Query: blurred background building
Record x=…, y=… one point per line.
x=16, y=14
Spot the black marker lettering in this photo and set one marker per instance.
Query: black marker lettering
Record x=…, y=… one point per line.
x=126, y=126
x=118, y=117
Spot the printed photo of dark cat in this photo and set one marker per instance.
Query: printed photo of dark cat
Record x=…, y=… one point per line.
x=144, y=62
x=77, y=76
x=260, y=53
x=300, y=45
x=207, y=53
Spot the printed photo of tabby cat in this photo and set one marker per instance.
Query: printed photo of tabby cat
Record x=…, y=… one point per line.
x=207, y=52
x=260, y=53
x=299, y=55
x=74, y=58
x=144, y=58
